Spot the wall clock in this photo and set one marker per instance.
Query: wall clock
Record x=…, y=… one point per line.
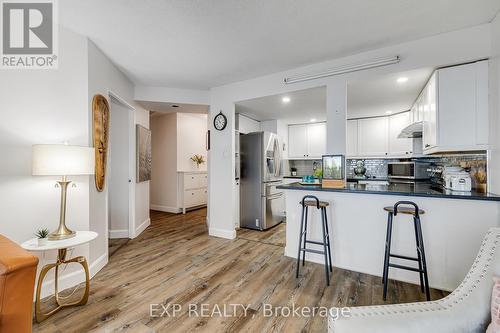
x=100, y=131
x=220, y=121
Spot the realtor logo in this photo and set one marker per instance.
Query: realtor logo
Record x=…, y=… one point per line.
x=29, y=34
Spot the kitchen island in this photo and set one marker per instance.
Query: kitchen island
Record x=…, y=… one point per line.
x=453, y=226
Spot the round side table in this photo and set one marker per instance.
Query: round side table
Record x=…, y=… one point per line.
x=62, y=246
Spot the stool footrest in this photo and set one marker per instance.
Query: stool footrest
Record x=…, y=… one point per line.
x=406, y=267
x=314, y=242
x=403, y=257
x=312, y=251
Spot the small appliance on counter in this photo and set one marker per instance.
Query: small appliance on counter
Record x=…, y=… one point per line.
x=457, y=179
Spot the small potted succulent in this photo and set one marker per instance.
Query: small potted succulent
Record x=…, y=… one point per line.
x=198, y=159
x=42, y=235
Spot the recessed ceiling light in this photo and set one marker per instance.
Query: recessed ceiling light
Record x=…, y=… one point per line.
x=402, y=79
x=312, y=120
x=388, y=112
x=285, y=99
x=175, y=106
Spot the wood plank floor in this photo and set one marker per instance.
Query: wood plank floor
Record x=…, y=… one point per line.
x=175, y=261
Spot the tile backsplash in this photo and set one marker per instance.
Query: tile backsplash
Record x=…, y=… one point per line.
x=477, y=163
x=378, y=167
x=304, y=167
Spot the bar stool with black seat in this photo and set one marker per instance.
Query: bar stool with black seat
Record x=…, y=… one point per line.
x=419, y=240
x=312, y=201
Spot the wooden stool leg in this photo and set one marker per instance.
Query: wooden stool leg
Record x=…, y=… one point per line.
x=387, y=253
x=300, y=241
x=424, y=262
x=327, y=270
x=328, y=239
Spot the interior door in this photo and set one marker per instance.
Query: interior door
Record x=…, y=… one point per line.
x=119, y=175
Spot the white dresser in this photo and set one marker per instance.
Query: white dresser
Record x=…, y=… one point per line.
x=192, y=189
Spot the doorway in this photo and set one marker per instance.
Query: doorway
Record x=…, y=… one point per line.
x=121, y=168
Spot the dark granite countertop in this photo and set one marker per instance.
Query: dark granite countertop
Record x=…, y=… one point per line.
x=416, y=190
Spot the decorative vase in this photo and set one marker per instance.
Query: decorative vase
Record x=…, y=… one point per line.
x=42, y=241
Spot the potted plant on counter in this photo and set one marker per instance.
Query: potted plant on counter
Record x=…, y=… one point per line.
x=42, y=236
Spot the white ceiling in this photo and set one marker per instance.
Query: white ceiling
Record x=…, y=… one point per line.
x=383, y=93
x=200, y=44
x=304, y=105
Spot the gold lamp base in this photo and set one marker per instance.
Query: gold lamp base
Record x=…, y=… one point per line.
x=62, y=231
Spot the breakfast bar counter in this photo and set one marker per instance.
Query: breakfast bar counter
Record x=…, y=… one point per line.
x=453, y=226
x=410, y=189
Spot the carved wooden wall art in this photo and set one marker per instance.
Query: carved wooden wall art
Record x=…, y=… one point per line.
x=100, y=115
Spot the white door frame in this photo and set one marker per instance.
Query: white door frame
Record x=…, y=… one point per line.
x=114, y=98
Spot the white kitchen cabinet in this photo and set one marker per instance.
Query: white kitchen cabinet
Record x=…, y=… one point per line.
x=316, y=140
x=429, y=102
x=373, y=137
x=247, y=125
x=297, y=141
x=456, y=118
x=397, y=146
x=352, y=138
x=306, y=141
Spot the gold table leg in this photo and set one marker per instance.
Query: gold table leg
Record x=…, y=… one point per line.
x=61, y=259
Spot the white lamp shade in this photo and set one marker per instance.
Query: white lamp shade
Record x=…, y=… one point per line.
x=62, y=160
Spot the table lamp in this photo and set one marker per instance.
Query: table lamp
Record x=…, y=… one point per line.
x=62, y=160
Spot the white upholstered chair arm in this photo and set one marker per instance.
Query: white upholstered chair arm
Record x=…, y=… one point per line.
x=467, y=309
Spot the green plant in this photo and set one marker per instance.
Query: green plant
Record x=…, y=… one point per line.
x=42, y=233
x=198, y=159
x=318, y=173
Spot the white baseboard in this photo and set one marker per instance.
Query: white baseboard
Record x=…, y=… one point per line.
x=166, y=209
x=72, y=279
x=222, y=233
x=120, y=233
x=142, y=227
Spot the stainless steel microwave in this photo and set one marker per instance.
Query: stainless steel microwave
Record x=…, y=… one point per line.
x=408, y=170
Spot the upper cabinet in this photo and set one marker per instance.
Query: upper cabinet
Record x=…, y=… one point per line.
x=373, y=136
x=352, y=138
x=246, y=125
x=399, y=146
x=307, y=141
x=456, y=109
x=378, y=136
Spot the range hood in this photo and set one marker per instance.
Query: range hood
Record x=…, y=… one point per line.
x=412, y=131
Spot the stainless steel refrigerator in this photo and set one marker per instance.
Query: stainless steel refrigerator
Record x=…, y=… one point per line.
x=262, y=205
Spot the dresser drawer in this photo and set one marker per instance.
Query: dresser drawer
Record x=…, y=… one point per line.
x=192, y=180
x=195, y=197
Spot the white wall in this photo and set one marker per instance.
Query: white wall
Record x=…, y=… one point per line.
x=54, y=106
x=105, y=78
x=164, y=168
x=494, y=76
x=191, y=140
x=445, y=49
x=43, y=106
